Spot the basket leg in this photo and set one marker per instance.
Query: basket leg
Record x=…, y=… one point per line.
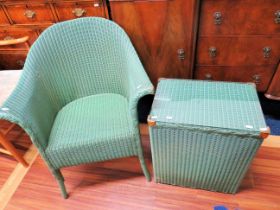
x=142, y=161
x=60, y=180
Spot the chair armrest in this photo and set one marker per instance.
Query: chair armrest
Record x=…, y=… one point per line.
x=139, y=92
x=30, y=107
x=139, y=84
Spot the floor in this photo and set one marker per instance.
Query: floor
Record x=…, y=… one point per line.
x=120, y=184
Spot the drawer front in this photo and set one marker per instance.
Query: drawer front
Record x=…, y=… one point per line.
x=12, y=60
x=32, y=13
x=233, y=51
x=260, y=75
x=41, y=29
x=15, y=34
x=273, y=91
x=71, y=10
x=225, y=17
x=3, y=19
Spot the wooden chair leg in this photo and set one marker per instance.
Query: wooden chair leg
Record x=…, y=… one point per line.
x=8, y=146
x=9, y=129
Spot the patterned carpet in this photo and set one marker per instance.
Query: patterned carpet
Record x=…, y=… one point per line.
x=271, y=109
x=274, y=124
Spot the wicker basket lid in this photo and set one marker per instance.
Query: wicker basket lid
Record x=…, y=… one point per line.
x=217, y=105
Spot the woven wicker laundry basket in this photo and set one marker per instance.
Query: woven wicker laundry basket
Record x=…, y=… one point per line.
x=205, y=134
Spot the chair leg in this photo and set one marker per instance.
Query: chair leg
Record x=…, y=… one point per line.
x=144, y=168
x=9, y=147
x=61, y=184
x=142, y=161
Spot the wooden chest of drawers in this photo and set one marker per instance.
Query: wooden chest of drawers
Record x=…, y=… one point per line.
x=163, y=33
x=239, y=41
x=202, y=39
x=19, y=18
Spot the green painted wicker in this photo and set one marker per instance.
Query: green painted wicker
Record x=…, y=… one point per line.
x=77, y=97
x=206, y=133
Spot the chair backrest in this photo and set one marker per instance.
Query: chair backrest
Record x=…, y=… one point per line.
x=70, y=60
x=80, y=57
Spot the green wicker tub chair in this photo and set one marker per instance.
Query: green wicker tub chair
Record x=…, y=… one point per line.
x=78, y=93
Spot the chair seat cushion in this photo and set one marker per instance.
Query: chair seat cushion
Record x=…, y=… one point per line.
x=90, y=129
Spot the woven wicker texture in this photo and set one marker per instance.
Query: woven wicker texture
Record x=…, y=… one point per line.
x=211, y=161
x=89, y=125
x=78, y=93
x=229, y=106
x=193, y=147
